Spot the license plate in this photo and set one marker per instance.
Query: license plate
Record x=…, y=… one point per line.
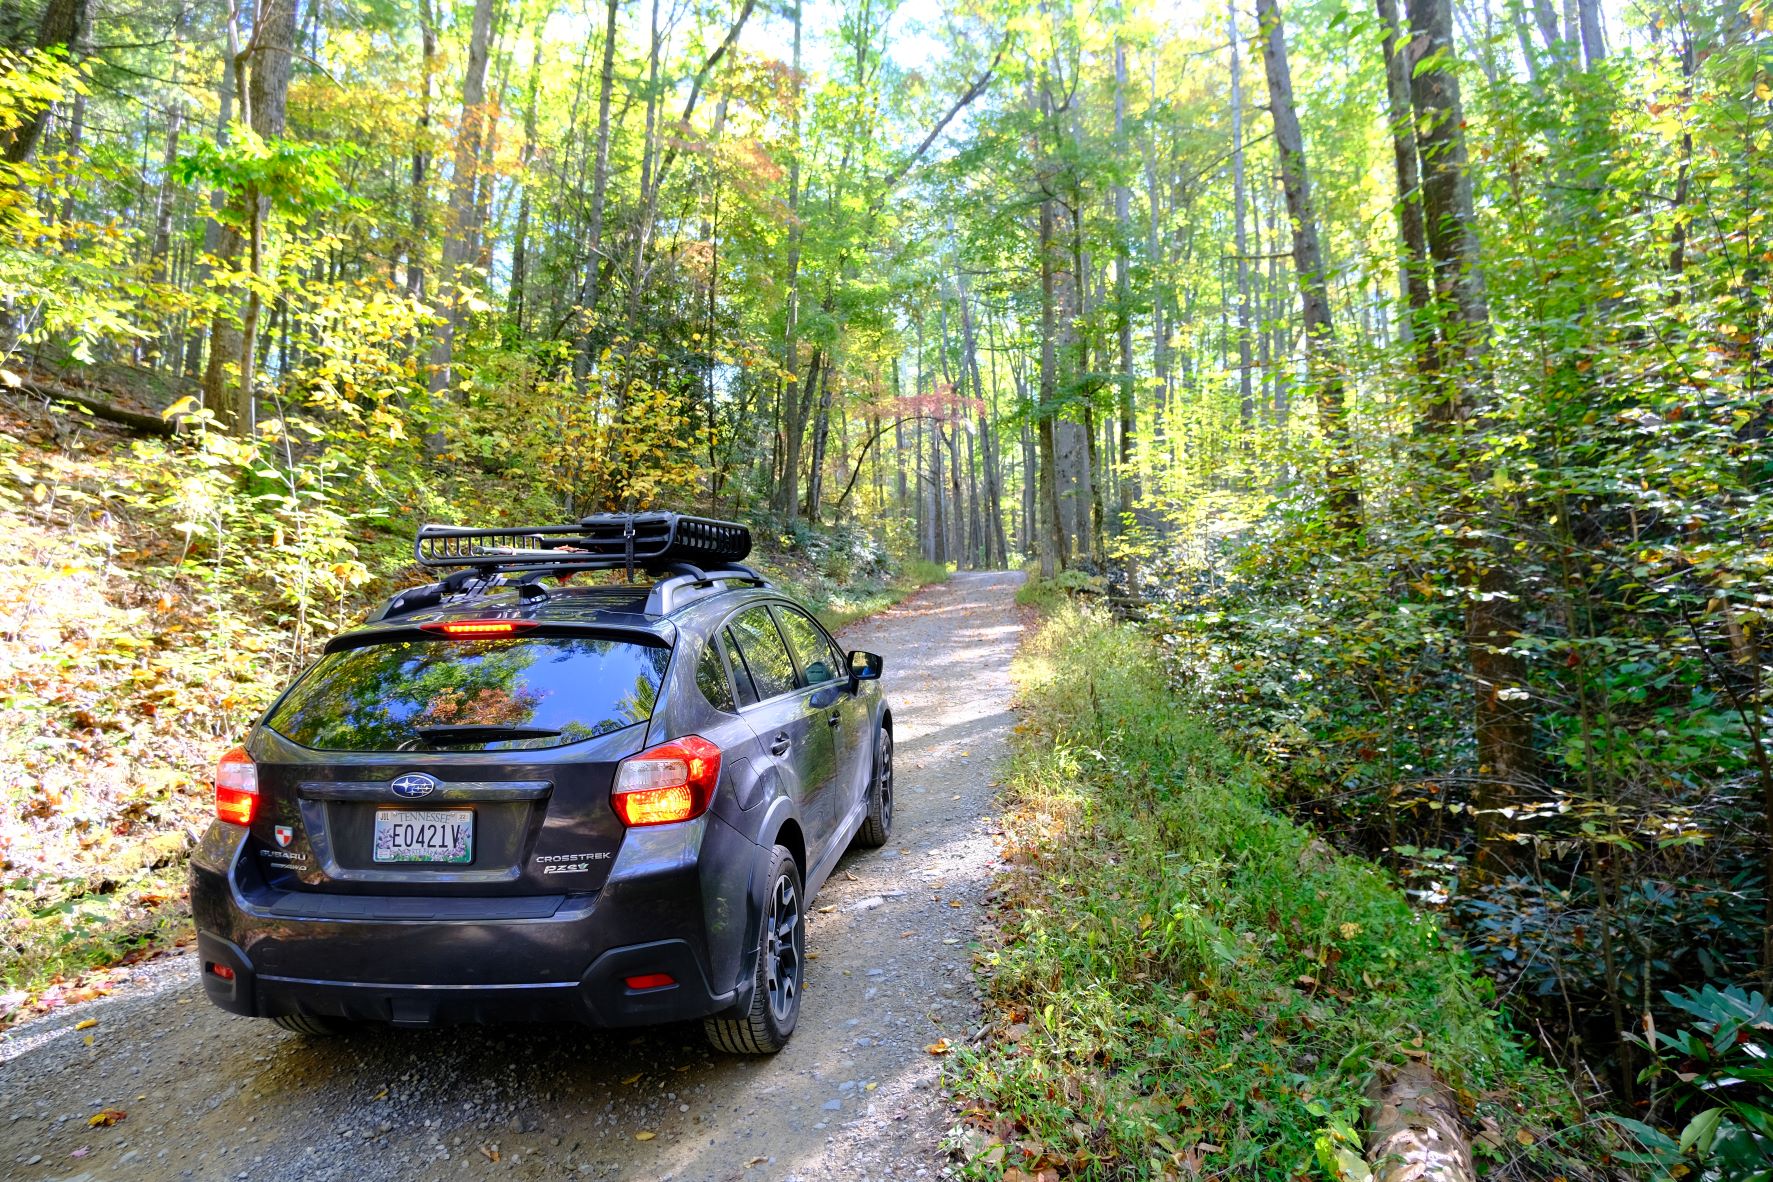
x=424, y=835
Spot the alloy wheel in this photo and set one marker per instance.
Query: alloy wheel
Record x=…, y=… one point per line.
x=781, y=951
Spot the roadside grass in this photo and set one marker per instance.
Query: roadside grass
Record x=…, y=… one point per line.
x=1184, y=982
x=837, y=593
x=1048, y=595
x=843, y=606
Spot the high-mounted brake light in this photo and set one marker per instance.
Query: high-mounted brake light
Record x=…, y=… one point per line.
x=480, y=627
x=236, y=787
x=671, y=782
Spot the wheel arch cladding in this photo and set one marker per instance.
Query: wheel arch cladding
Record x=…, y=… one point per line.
x=790, y=836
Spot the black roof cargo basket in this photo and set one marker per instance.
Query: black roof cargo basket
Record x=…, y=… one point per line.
x=605, y=541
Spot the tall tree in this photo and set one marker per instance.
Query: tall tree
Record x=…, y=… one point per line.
x=1240, y=214
x=1503, y=726
x=63, y=28
x=462, y=232
x=1308, y=262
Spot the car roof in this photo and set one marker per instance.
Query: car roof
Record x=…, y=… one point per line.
x=618, y=606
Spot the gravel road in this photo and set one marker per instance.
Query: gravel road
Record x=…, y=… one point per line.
x=854, y=1096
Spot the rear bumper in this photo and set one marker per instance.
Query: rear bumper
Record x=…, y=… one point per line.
x=600, y=998
x=434, y=961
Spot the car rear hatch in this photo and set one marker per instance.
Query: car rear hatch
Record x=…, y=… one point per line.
x=423, y=764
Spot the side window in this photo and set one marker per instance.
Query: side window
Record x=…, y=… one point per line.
x=765, y=654
x=819, y=660
x=741, y=675
x=711, y=679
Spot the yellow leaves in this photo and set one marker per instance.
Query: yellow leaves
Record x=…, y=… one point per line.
x=939, y=1047
x=104, y=1118
x=645, y=1135
x=86, y=1024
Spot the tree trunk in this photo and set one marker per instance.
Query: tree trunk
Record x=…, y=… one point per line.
x=898, y=444
x=1594, y=47
x=1411, y=230
x=815, y=482
x=1239, y=201
x=1308, y=261
x=1055, y=551
x=1503, y=720
x=520, y=244
x=1123, y=292
x=63, y=26
x=462, y=232
x=421, y=157
x=267, y=99
x=588, y=294
x=785, y=492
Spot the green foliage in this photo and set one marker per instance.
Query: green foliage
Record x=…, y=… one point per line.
x=1186, y=979
x=1719, y=1068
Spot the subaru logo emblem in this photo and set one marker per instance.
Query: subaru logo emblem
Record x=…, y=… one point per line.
x=413, y=785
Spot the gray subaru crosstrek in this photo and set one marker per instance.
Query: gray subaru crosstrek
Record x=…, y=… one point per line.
x=509, y=797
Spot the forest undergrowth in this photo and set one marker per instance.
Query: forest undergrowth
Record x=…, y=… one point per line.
x=1183, y=982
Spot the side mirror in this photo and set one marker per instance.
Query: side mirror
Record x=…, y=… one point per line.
x=864, y=667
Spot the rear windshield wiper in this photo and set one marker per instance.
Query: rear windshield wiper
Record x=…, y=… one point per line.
x=483, y=733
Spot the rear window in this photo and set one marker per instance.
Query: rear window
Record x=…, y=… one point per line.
x=413, y=695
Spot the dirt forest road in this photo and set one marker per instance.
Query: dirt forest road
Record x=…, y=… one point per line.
x=855, y=1096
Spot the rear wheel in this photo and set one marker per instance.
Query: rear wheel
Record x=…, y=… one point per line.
x=312, y=1026
x=878, y=826
x=781, y=968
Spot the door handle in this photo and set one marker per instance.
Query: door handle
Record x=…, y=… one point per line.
x=836, y=717
x=781, y=744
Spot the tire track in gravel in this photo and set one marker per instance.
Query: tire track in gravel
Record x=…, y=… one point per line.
x=855, y=1095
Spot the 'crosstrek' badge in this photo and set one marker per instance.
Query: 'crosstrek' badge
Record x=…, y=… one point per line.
x=413, y=785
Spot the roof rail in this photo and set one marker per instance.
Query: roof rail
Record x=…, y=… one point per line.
x=604, y=541
x=667, y=594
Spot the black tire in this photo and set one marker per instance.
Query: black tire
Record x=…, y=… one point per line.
x=312, y=1026
x=878, y=826
x=765, y=1028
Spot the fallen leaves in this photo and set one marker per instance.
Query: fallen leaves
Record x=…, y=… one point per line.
x=104, y=1118
x=939, y=1047
x=86, y=1024
x=645, y=1135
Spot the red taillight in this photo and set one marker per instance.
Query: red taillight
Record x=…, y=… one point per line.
x=236, y=787
x=671, y=782
x=222, y=971
x=472, y=628
x=650, y=981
